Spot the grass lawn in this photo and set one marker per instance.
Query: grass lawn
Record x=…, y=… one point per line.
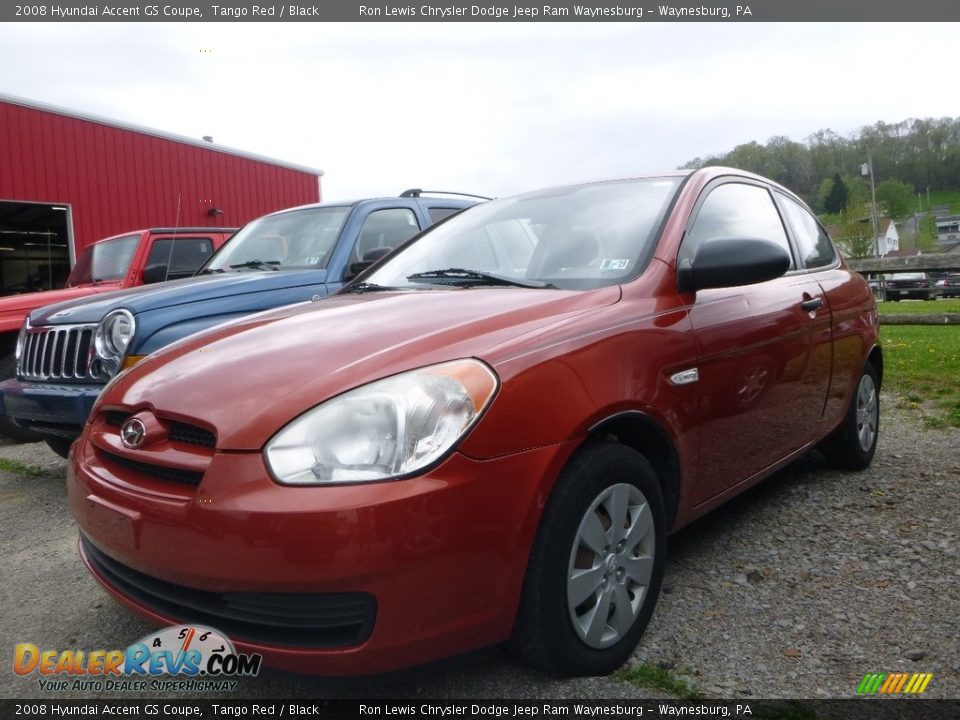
x=942, y=197
x=922, y=365
x=920, y=307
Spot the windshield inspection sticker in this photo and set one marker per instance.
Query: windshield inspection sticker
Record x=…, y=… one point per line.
x=614, y=264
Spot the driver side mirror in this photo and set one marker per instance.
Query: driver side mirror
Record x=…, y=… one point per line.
x=154, y=273
x=728, y=262
x=369, y=258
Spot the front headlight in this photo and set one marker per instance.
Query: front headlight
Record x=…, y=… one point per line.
x=113, y=337
x=387, y=429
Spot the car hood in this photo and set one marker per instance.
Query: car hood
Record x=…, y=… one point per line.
x=248, y=379
x=175, y=292
x=28, y=301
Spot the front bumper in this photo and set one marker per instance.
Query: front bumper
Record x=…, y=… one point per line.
x=50, y=408
x=439, y=558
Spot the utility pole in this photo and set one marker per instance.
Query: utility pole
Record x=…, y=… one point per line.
x=867, y=169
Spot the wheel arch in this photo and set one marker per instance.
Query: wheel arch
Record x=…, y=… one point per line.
x=643, y=433
x=8, y=341
x=875, y=358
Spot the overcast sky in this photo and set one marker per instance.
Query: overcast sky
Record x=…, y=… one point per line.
x=488, y=108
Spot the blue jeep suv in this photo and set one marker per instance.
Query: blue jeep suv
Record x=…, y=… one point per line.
x=67, y=352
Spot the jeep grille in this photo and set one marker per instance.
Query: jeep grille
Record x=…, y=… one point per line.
x=60, y=352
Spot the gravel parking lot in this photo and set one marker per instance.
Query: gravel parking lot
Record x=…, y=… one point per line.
x=796, y=589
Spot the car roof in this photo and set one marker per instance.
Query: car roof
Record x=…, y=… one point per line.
x=428, y=199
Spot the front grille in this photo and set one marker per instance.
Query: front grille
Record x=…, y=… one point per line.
x=59, y=352
x=181, y=432
x=325, y=620
x=162, y=472
x=176, y=431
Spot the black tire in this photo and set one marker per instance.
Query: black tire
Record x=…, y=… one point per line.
x=545, y=633
x=60, y=445
x=8, y=428
x=847, y=447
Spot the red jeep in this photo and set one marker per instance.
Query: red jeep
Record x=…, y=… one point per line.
x=122, y=261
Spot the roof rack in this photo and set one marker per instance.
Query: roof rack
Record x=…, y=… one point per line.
x=417, y=192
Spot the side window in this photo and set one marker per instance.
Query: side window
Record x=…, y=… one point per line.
x=736, y=210
x=383, y=231
x=813, y=244
x=441, y=213
x=188, y=254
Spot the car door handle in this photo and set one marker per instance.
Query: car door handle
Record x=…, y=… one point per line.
x=812, y=304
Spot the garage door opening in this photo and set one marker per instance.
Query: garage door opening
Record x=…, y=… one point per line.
x=34, y=246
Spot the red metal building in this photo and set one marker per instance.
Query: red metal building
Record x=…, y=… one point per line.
x=68, y=179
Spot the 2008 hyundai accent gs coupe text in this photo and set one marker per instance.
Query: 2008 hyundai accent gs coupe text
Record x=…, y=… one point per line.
x=488, y=436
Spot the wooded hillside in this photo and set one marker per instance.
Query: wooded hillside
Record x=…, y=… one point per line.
x=921, y=153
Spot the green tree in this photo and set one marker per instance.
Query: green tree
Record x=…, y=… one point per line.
x=826, y=185
x=897, y=197
x=836, y=199
x=927, y=236
x=858, y=196
x=856, y=237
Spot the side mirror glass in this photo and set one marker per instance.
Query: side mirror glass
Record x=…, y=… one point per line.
x=154, y=273
x=729, y=262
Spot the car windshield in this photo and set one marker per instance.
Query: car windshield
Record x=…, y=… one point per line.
x=107, y=260
x=297, y=239
x=579, y=238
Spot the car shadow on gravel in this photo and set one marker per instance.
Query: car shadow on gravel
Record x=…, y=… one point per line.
x=806, y=471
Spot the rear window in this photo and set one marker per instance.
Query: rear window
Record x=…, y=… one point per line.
x=907, y=276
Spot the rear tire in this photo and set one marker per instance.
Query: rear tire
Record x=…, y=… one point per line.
x=596, y=566
x=853, y=444
x=8, y=428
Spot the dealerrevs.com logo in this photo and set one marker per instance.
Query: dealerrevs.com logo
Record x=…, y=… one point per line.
x=201, y=657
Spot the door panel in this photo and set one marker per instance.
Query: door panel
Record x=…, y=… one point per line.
x=764, y=370
x=764, y=349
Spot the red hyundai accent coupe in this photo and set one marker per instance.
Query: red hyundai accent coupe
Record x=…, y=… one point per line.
x=488, y=436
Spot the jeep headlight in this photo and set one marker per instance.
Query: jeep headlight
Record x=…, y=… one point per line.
x=113, y=337
x=387, y=429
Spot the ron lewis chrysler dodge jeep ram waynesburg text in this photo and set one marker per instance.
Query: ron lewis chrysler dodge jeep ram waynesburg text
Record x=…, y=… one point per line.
x=488, y=437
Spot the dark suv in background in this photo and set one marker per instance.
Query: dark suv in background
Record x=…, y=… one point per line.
x=950, y=287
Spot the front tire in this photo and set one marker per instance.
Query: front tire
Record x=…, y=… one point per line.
x=8, y=428
x=596, y=565
x=853, y=444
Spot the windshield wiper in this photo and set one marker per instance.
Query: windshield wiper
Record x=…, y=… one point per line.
x=210, y=271
x=463, y=278
x=258, y=264
x=370, y=287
